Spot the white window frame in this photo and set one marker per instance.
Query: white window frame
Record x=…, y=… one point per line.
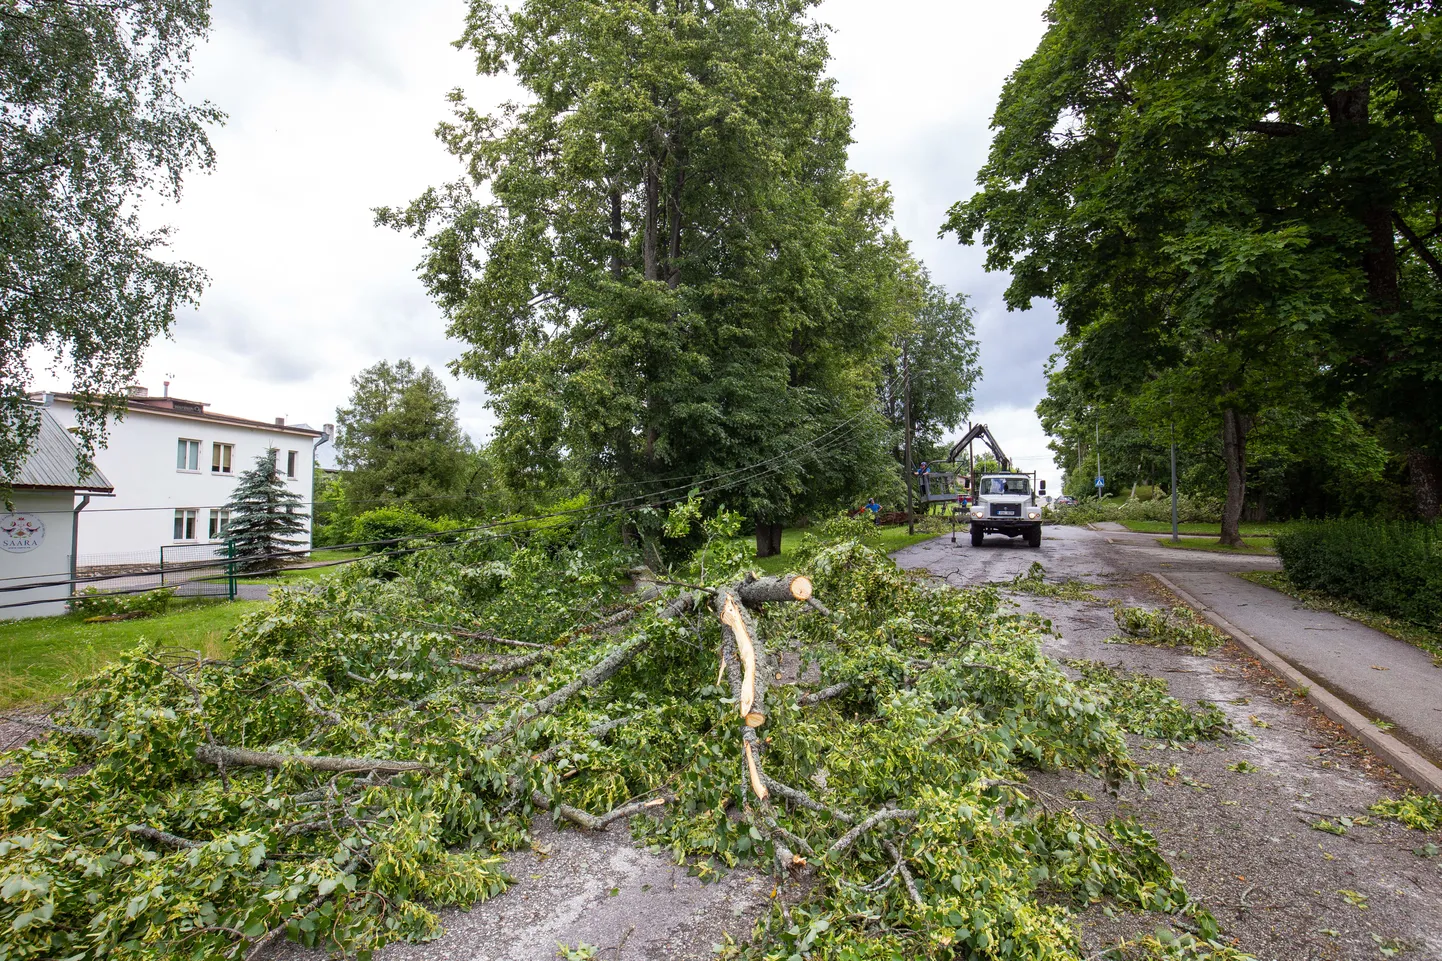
x=222, y=459
x=192, y=448
x=219, y=522
x=292, y=459
x=187, y=520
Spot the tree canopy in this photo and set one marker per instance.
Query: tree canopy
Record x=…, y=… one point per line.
x=659, y=262
x=267, y=518
x=941, y=353
x=1231, y=201
x=91, y=120
x=400, y=441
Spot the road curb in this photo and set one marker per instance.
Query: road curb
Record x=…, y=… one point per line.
x=1405, y=761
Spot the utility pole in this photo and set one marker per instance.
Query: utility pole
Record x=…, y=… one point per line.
x=1175, y=538
x=1099, y=455
x=906, y=373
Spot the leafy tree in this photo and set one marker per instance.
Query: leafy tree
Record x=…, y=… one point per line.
x=266, y=516
x=91, y=121
x=1225, y=218
x=942, y=357
x=660, y=265
x=400, y=441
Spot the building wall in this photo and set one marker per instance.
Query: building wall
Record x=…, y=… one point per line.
x=140, y=460
x=49, y=561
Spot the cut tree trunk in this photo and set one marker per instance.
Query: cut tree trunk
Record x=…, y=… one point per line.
x=1235, y=427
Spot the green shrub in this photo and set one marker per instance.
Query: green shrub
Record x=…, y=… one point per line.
x=1391, y=568
x=390, y=524
x=1200, y=509
x=92, y=602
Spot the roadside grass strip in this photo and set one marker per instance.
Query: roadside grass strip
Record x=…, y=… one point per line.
x=1177, y=627
x=1252, y=545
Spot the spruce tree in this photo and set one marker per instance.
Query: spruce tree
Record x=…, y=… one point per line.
x=265, y=516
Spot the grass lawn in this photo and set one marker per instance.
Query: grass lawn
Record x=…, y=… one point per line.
x=1249, y=528
x=42, y=657
x=1429, y=641
x=1255, y=545
x=892, y=539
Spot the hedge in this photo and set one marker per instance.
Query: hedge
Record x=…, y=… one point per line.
x=1390, y=568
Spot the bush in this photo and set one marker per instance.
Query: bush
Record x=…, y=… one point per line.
x=1200, y=509
x=1391, y=568
x=390, y=524
x=92, y=602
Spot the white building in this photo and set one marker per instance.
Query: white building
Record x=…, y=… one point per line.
x=37, y=530
x=174, y=464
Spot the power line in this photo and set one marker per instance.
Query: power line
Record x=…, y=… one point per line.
x=750, y=473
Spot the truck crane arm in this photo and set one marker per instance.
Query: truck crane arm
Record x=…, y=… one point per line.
x=980, y=432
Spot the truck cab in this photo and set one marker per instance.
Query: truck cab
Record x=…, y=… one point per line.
x=1005, y=503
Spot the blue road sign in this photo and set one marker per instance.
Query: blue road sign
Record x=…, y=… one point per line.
x=1101, y=482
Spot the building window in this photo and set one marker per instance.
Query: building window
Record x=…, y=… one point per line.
x=185, y=525
x=219, y=521
x=187, y=454
x=220, y=455
x=290, y=457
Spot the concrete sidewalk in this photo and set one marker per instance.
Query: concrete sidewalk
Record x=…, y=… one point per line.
x=1377, y=675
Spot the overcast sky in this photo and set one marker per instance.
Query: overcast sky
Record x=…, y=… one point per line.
x=332, y=104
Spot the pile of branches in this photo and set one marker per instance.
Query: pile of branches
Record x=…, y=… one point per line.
x=372, y=751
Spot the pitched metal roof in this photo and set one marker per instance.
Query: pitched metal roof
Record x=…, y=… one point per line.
x=51, y=460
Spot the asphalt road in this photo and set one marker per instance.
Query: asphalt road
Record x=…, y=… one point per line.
x=1378, y=675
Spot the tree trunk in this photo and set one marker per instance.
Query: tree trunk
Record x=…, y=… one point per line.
x=768, y=539
x=618, y=238
x=1426, y=476
x=649, y=244
x=1235, y=427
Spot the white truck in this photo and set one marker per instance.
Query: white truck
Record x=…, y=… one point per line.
x=1005, y=503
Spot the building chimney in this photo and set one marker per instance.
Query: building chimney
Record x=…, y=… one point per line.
x=280, y=422
x=135, y=390
x=329, y=431
x=47, y=399
x=167, y=389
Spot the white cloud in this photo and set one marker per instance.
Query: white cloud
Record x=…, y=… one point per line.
x=332, y=107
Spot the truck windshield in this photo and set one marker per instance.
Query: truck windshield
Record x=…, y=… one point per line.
x=1006, y=485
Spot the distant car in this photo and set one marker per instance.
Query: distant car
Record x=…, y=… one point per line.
x=1065, y=501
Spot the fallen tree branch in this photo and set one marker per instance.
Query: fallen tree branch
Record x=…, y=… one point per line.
x=825, y=694
x=907, y=879
x=607, y=667
x=496, y=639
x=595, y=732
x=497, y=668
x=224, y=757
x=161, y=837
x=844, y=843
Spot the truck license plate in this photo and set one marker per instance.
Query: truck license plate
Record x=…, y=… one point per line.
x=1007, y=510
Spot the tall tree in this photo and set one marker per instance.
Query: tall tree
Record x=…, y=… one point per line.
x=659, y=262
x=266, y=517
x=400, y=441
x=91, y=121
x=1242, y=191
x=940, y=347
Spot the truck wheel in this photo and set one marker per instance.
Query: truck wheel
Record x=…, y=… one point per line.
x=976, y=536
x=1033, y=537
